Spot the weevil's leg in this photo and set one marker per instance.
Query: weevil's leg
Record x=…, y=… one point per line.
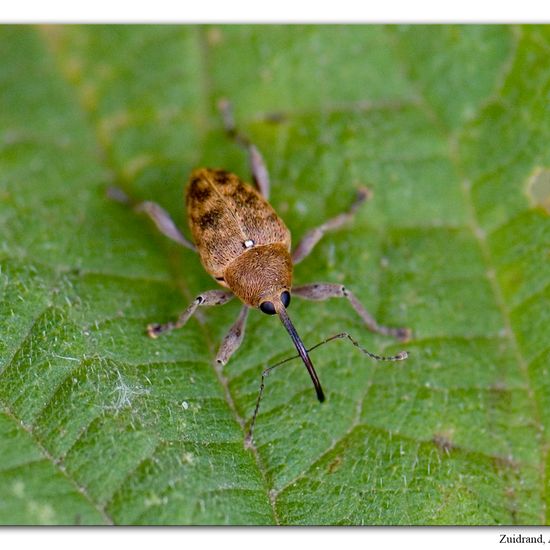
x=160, y=217
x=208, y=298
x=323, y=291
x=260, y=175
x=312, y=237
x=232, y=340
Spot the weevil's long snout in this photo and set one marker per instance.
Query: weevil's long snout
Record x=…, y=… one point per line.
x=302, y=351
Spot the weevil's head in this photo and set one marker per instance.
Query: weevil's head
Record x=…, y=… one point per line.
x=261, y=277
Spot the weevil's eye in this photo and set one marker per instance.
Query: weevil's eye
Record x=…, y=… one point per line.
x=285, y=298
x=268, y=307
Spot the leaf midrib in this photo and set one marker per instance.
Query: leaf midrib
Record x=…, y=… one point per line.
x=105, y=159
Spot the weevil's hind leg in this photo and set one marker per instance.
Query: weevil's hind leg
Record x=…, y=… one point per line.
x=208, y=298
x=260, y=175
x=160, y=217
x=312, y=237
x=232, y=340
x=323, y=291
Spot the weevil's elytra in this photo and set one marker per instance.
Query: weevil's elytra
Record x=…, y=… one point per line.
x=246, y=248
x=227, y=217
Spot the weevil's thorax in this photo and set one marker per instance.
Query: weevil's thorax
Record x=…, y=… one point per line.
x=261, y=273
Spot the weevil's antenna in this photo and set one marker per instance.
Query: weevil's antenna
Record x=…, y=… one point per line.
x=401, y=356
x=302, y=351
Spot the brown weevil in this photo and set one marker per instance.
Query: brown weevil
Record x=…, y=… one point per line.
x=246, y=248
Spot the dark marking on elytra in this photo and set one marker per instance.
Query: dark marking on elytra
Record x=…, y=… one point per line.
x=244, y=198
x=199, y=192
x=210, y=219
x=222, y=177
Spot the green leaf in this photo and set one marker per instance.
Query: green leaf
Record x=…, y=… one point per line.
x=448, y=125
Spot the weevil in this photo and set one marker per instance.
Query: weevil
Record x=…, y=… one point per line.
x=246, y=247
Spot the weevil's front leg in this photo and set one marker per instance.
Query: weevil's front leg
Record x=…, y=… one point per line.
x=160, y=217
x=232, y=340
x=311, y=238
x=260, y=175
x=323, y=291
x=208, y=298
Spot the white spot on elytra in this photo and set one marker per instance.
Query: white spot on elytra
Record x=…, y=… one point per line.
x=249, y=243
